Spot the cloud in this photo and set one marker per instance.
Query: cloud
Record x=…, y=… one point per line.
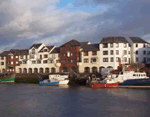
x=24, y=22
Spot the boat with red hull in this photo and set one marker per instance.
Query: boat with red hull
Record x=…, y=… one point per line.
x=108, y=82
x=104, y=85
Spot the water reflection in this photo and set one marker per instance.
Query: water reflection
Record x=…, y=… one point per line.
x=32, y=100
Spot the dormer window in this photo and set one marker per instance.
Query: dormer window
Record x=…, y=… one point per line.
x=105, y=45
x=45, y=50
x=33, y=51
x=111, y=45
x=144, y=45
x=136, y=45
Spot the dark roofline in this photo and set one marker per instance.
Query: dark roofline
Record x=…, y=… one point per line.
x=114, y=39
x=138, y=40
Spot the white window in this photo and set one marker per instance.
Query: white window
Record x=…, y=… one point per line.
x=16, y=62
x=125, y=45
x=16, y=56
x=33, y=62
x=117, y=45
x=117, y=52
x=11, y=57
x=11, y=62
x=68, y=54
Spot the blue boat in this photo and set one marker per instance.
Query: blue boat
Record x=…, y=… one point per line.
x=47, y=82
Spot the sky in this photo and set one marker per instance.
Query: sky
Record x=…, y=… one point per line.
x=54, y=22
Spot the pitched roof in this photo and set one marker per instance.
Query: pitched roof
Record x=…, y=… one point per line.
x=49, y=47
x=91, y=47
x=114, y=40
x=73, y=42
x=36, y=46
x=4, y=53
x=84, y=43
x=56, y=50
x=24, y=52
x=137, y=40
x=15, y=51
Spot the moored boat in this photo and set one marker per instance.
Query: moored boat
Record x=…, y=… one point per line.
x=108, y=82
x=7, y=78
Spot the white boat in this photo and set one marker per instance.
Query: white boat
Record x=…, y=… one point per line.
x=62, y=78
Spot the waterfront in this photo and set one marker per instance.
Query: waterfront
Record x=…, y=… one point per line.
x=33, y=100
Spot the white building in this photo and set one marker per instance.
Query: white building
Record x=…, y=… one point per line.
x=140, y=50
x=113, y=50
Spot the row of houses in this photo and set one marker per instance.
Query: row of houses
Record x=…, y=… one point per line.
x=77, y=56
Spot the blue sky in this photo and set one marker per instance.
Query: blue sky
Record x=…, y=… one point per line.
x=53, y=22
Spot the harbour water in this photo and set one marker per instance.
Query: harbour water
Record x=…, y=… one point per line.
x=32, y=100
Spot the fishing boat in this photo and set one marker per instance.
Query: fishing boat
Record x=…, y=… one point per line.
x=7, y=78
x=55, y=79
x=108, y=82
x=128, y=78
x=47, y=82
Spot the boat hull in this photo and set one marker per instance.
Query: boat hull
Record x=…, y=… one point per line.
x=12, y=79
x=136, y=82
x=103, y=85
x=49, y=83
x=63, y=82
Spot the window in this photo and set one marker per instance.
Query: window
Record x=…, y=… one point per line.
x=105, y=59
x=85, y=53
x=38, y=62
x=16, y=56
x=117, y=52
x=68, y=54
x=40, y=56
x=12, y=57
x=105, y=45
x=125, y=45
x=117, y=45
x=86, y=60
x=111, y=59
x=137, y=59
x=45, y=61
x=94, y=52
x=111, y=52
x=136, y=52
x=93, y=60
x=33, y=51
x=11, y=62
x=128, y=52
x=144, y=59
x=144, y=45
x=25, y=62
x=117, y=59
x=144, y=52
x=136, y=45
x=125, y=59
x=2, y=58
x=105, y=52
x=32, y=56
x=2, y=63
x=45, y=50
x=148, y=59
x=33, y=62
x=16, y=62
x=45, y=56
x=20, y=62
x=111, y=45
x=21, y=57
x=124, y=52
